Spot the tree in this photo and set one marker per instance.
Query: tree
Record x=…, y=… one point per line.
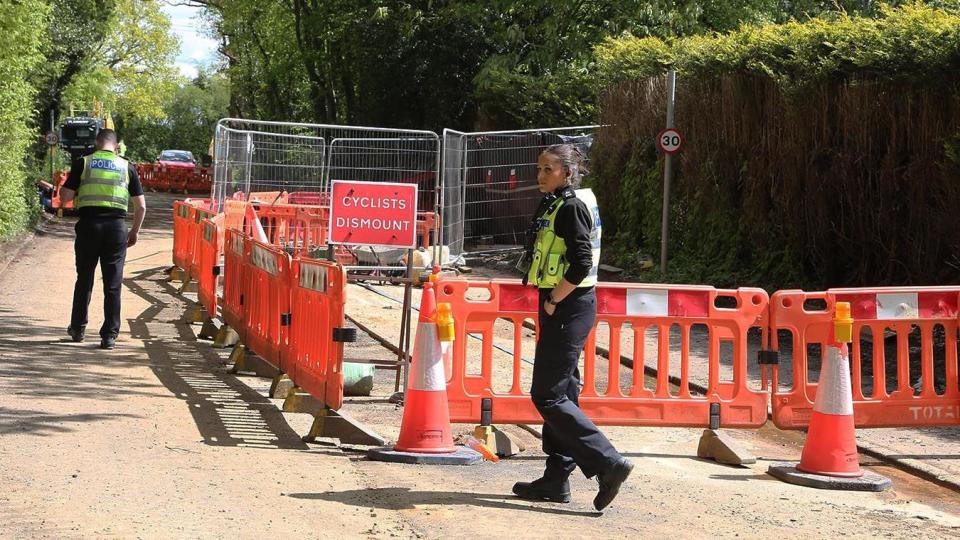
x=21, y=32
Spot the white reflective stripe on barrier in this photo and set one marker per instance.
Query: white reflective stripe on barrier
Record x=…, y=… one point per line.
x=262, y=258
x=898, y=306
x=834, y=395
x=654, y=303
x=236, y=244
x=313, y=277
x=427, y=369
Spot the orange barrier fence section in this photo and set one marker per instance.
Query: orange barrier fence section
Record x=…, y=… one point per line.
x=266, y=300
x=315, y=354
x=610, y=395
x=196, y=237
x=162, y=178
x=211, y=242
x=903, y=358
x=182, y=237
x=234, y=280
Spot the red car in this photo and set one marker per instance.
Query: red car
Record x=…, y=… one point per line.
x=176, y=159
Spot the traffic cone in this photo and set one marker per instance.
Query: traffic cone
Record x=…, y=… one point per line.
x=829, y=459
x=426, y=416
x=425, y=433
x=256, y=228
x=831, y=446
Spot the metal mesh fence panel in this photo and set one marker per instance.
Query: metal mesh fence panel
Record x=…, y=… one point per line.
x=261, y=156
x=490, y=184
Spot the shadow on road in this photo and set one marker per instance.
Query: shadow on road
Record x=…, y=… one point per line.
x=226, y=412
x=401, y=498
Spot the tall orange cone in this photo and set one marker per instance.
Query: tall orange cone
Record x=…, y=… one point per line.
x=829, y=459
x=425, y=433
x=426, y=415
x=831, y=446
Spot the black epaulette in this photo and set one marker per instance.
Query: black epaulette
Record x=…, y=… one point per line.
x=568, y=193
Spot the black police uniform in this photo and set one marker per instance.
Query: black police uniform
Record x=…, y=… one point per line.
x=570, y=439
x=101, y=237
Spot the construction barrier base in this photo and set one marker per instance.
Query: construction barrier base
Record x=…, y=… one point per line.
x=299, y=400
x=226, y=337
x=461, y=456
x=209, y=330
x=177, y=274
x=281, y=386
x=337, y=425
x=720, y=447
x=788, y=472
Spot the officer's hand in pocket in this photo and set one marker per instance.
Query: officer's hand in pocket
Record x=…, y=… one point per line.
x=549, y=308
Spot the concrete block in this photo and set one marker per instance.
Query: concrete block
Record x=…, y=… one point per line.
x=281, y=386
x=210, y=329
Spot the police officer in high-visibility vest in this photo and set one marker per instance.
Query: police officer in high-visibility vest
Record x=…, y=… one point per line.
x=562, y=262
x=102, y=185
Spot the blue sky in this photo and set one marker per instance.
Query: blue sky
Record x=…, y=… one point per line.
x=195, y=48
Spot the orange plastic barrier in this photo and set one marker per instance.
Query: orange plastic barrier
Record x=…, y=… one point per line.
x=196, y=231
x=919, y=323
x=161, y=178
x=266, y=300
x=234, y=280
x=183, y=217
x=299, y=229
x=211, y=242
x=623, y=308
x=314, y=358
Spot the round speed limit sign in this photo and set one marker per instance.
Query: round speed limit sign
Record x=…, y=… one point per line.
x=670, y=140
x=51, y=138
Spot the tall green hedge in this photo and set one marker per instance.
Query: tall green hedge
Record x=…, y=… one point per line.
x=22, y=27
x=818, y=154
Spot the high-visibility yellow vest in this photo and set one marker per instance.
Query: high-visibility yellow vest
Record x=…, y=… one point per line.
x=105, y=182
x=549, y=252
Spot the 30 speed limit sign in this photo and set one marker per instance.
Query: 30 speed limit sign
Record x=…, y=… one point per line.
x=670, y=140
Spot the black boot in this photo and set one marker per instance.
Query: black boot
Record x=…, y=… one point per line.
x=543, y=489
x=610, y=481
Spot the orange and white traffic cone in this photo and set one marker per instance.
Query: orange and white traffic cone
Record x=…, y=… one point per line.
x=425, y=433
x=829, y=459
x=426, y=415
x=256, y=228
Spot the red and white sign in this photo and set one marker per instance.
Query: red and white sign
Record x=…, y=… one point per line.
x=373, y=214
x=670, y=140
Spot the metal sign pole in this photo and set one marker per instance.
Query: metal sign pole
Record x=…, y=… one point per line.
x=405, y=326
x=53, y=153
x=667, y=175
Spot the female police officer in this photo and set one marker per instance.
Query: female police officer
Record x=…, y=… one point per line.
x=563, y=265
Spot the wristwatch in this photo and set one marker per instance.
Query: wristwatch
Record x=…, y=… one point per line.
x=550, y=300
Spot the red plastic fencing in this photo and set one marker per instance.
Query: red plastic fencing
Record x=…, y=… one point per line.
x=234, y=280
x=266, y=307
x=610, y=395
x=903, y=357
x=208, y=278
x=195, y=230
x=162, y=178
x=183, y=217
x=314, y=357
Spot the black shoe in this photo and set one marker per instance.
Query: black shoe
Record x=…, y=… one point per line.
x=75, y=335
x=543, y=490
x=610, y=481
x=108, y=343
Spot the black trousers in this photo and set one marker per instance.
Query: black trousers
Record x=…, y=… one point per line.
x=102, y=240
x=570, y=439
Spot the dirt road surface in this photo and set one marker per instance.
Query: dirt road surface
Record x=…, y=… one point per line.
x=156, y=440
